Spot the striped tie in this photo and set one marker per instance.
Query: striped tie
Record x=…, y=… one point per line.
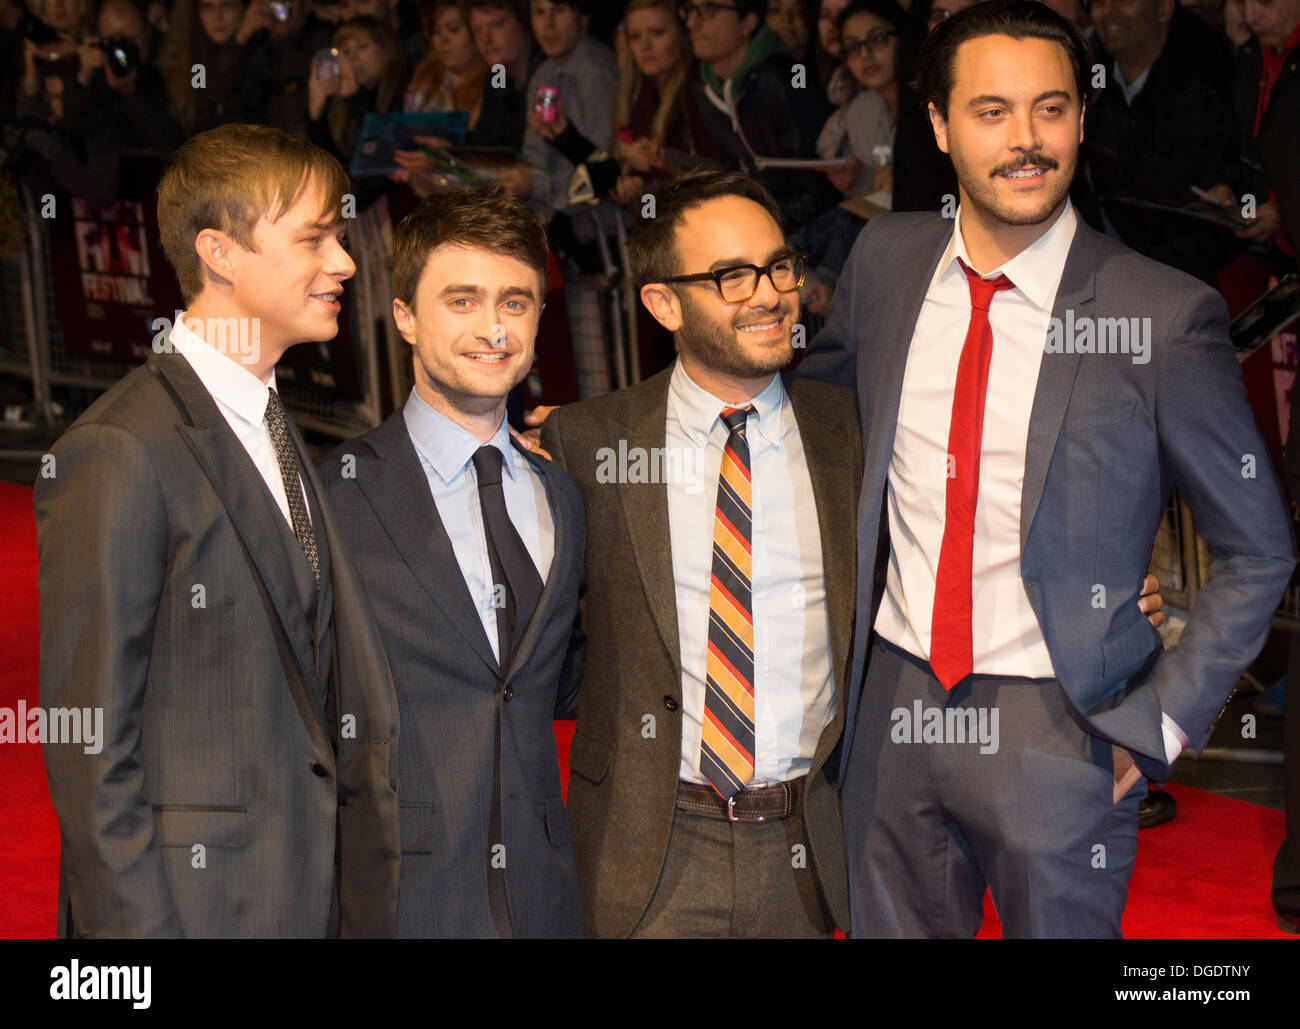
x=727, y=731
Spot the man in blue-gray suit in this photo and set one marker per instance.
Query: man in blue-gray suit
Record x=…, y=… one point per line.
x=1029, y=391
x=471, y=552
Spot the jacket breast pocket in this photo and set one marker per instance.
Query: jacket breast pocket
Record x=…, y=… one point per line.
x=589, y=757
x=183, y=825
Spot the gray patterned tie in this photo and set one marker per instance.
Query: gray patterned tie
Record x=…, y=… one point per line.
x=289, y=472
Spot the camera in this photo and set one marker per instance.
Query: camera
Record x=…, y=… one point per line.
x=122, y=54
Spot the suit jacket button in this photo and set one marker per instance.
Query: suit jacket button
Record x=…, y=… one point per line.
x=670, y=703
x=507, y=693
x=319, y=769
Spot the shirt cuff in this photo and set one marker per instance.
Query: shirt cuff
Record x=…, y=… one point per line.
x=1175, y=738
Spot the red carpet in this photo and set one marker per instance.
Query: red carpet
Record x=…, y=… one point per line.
x=1204, y=875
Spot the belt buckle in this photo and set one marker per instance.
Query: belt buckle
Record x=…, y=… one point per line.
x=733, y=817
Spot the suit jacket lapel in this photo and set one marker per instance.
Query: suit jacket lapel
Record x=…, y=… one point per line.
x=398, y=491
x=248, y=502
x=1056, y=378
x=833, y=492
x=645, y=506
x=895, y=334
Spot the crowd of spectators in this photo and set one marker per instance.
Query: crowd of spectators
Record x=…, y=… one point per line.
x=1190, y=100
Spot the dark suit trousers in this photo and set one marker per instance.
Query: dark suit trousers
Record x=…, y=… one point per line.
x=739, y=880
x=927, y=825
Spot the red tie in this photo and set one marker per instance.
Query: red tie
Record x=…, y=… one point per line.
x=951, y=644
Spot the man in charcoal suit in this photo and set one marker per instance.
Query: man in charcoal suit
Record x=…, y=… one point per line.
x=196, y=590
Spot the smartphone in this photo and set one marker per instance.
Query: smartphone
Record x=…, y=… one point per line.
x=544, y=105
x=327, y=63
x=281, y=10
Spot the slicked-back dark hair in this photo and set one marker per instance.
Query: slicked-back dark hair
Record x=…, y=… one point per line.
x=652, y=246
x=1019, y=19
x=481, y=218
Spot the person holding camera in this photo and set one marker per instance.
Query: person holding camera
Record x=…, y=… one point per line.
x=120, y=93
x=78, y=112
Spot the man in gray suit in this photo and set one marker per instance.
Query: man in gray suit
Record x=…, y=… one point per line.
x=1030, y=391
x=196, y=590
x=720, y=497
x=471, y=551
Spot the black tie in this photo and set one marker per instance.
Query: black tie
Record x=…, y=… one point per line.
x=289, y=473
x=517, y=584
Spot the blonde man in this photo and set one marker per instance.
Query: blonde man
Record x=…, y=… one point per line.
x=198, y=606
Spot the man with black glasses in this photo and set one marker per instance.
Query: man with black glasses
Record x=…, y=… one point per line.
x=720, y=556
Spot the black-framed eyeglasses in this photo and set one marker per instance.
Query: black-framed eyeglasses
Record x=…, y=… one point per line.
x=705, y=10
x=874, y=42
x=738, y=282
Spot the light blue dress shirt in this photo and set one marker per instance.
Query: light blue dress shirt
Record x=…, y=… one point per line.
x=446, y=453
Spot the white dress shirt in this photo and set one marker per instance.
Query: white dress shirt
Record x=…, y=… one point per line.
x=794, y=689
x=241, y=397
x=446, y=453
x=1007, y=640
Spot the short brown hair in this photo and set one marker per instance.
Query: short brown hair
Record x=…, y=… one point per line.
x=652, y=246
x=227, y=179
x=480, y=217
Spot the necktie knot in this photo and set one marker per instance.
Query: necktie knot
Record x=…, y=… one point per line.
x=734, y=418
x=487, y=465
x=274, y=405
x=982, y=289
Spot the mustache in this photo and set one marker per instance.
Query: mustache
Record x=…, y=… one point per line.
x=780, y=311
x=1042, y=160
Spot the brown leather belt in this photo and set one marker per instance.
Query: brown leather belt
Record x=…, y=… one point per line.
x=752, y=804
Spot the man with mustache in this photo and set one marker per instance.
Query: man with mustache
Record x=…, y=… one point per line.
x=1018, y=463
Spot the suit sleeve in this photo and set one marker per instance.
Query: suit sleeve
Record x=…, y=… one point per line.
x=1221, y=468
x=102, y=540
x=833, y=354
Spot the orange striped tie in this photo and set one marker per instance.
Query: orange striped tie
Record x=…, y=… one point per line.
x=727, y=738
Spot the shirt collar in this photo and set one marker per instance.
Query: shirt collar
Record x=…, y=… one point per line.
x=1035, y=271
x=448, y=448
x=228, y=381
x=1131, y=89
x=698, y=411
